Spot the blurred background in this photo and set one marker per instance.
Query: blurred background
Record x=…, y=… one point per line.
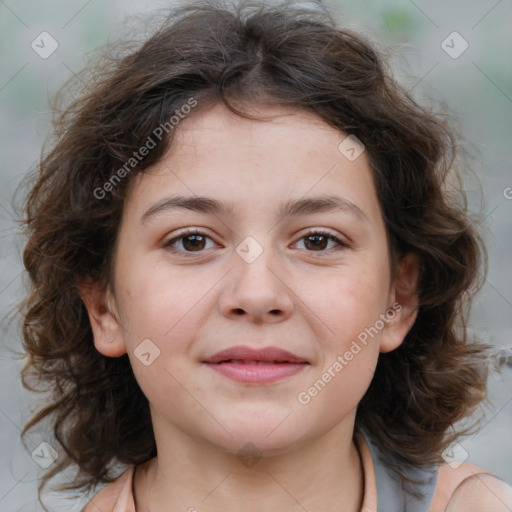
x=453, y=55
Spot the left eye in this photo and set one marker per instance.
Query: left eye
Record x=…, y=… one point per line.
x=317, y=241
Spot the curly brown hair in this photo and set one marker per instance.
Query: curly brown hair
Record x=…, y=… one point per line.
x=246, y=54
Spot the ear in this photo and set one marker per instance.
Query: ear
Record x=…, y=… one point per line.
x=403, y=308
x=106, y=328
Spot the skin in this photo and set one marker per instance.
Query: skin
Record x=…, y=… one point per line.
x=312, y=302
x=481, y=492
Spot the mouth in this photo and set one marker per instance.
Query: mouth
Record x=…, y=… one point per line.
x=247, y=365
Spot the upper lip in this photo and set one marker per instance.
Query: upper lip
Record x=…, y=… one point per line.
x=244, y=353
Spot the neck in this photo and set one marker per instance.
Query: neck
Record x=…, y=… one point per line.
x=324, y=474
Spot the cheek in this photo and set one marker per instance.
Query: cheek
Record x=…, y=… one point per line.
x=158, y=304
x=350, y=301
x=159, y=320
x=342, y=379
x=339, y=388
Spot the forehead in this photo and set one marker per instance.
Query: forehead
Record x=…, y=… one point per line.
x=285, y=132
x=291, y=154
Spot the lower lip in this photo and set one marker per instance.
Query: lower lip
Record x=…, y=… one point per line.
x=257, y=373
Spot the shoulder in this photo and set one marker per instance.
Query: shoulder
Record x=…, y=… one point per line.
x=111, y=496
x=481, y=492
x=469, y=488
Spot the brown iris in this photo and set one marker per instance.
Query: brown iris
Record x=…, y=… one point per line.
x=197, y=242
x=316, y=243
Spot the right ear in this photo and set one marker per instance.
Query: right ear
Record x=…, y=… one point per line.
x=104, y=319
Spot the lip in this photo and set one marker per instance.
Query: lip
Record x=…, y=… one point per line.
x=257, y=366
x=266, y=354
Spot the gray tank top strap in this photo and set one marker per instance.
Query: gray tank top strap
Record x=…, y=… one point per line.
x=390, y=495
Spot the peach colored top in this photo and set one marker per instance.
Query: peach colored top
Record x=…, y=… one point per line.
x=117, y=496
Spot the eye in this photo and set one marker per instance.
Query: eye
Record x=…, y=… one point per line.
x=195, y=241
x=318, y=241
x=190, y=241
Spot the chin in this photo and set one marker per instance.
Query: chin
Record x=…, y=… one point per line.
x=265, y=438
x=244, y=446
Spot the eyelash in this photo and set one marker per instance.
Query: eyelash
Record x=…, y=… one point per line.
x=342, y=244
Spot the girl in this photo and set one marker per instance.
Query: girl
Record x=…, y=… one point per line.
x=250, y=279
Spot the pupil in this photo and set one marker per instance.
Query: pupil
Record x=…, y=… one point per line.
x=315, y=244
x=195, y=244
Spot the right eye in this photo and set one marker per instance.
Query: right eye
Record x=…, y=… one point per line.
x=192, y=241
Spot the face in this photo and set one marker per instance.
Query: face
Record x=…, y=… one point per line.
x=294, y=257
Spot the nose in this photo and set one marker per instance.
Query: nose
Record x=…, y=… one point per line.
x=257, y=290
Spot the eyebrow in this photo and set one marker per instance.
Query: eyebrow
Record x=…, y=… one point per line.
x=294, y=207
